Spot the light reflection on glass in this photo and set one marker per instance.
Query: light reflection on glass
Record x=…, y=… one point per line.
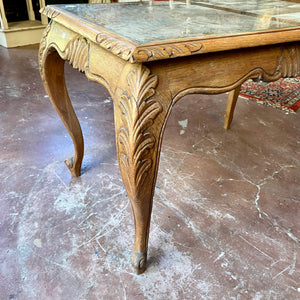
x=143, y=22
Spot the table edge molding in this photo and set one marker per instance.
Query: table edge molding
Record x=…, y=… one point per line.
x=139, y=53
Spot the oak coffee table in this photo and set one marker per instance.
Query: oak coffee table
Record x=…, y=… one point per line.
x=149, y=55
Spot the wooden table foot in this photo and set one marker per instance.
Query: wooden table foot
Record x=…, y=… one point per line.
x=138, y=261
x=74, y=167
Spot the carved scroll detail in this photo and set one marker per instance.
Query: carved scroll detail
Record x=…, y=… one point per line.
x=139, y=109
x=166, y=51
x=289, y=62
x=114, y=45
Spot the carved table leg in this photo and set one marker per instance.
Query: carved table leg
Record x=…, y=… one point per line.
x=232, y=99
x=52, y=73
x=141, y=110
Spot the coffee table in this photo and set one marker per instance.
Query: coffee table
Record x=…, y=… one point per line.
x=151, y=54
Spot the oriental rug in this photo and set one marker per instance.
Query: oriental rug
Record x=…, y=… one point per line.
x=283, y=93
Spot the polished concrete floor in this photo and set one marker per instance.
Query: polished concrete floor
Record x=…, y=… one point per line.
x=226, y=214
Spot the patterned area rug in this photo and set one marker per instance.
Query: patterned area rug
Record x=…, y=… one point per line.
x=283, y=93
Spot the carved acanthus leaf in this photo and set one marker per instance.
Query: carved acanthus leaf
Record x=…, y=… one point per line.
x=77, y=53
x=139, y=110
x=166, y=51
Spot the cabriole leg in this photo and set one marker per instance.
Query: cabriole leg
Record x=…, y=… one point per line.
x=141, y=109
x=52, y=72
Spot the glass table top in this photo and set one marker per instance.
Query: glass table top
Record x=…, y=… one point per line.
x=154, y=21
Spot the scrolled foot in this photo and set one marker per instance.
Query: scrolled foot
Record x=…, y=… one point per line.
x=75, y=171
x=138, y=261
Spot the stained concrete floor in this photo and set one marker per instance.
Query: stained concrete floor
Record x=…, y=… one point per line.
x=225, y=222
